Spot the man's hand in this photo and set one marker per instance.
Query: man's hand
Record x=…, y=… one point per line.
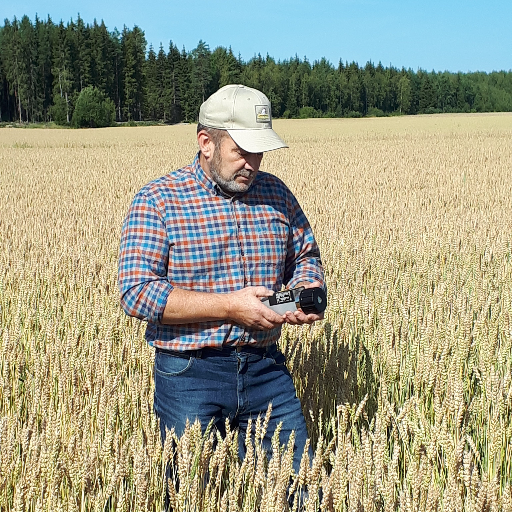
x=242, y=307
x=300, y=318
x=245, y=308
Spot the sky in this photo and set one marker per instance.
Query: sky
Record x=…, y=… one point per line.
x=452, y=35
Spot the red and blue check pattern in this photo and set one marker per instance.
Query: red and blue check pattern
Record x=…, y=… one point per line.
x=182, y=231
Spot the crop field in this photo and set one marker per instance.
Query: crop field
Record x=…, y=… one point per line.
x=406, y=385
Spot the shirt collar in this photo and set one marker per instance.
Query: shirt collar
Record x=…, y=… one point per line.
x=204, y=180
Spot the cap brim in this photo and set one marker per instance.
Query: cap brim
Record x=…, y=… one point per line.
x=258, y=140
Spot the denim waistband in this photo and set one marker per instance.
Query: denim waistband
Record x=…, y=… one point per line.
x=215, y=352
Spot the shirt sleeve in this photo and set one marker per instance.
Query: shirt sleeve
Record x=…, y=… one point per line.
x=143, y=261
x=303, y=262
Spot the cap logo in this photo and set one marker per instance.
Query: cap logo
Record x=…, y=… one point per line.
x=262, y=114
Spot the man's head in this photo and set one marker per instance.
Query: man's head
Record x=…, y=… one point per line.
x=235, y=128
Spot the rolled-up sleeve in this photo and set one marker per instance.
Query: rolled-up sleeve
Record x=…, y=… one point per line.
x=143, y=261
x=303, y=262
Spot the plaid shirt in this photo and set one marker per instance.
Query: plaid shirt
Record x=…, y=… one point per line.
x=182, y=231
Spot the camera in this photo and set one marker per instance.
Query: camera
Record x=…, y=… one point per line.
x=308, y=300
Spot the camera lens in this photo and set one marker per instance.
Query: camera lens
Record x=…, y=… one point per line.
x=313, y=300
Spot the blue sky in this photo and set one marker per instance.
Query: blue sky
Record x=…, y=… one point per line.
x=453, y=35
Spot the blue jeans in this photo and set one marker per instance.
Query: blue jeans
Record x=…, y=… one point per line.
x=232, y=384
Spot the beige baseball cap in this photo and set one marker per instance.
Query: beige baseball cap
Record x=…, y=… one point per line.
x=245, y=114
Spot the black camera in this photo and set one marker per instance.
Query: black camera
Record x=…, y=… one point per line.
x=308, y=300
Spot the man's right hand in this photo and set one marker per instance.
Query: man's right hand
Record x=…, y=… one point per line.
x=245, y=308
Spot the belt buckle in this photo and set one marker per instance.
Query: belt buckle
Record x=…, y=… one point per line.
x=239, y=348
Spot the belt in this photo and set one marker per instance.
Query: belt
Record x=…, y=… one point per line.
x=214, y=352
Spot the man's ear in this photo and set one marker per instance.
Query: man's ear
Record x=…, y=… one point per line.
x=206, y=144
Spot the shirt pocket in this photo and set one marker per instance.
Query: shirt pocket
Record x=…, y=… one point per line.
x=272, y=248
x=268, y=248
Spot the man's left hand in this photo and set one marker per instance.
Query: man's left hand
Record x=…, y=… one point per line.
x=300, y=318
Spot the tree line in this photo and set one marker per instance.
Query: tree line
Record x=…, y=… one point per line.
x=45, y=66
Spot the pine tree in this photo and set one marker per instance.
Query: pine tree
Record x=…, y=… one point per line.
x=152, y=86
x=29, y=52
x=102, y=68
x=404, y=93
x=82, y=45
x=355, y=88
x=186, y=93
x=44, y=65
x=161, y=74
x=341, y=86
x=427, y=96
x=62, y=82
x=116, y=56
x=201, y=75
x=172, y=82
x=134, y=49
x=13, y=63
x=225, y=68
x=292, y=106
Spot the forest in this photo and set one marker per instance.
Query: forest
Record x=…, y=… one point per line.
x=44, y=66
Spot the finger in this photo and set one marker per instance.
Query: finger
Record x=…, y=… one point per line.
x=271, y=315
x=314, y=284
x=266, y=325
x=276, y=321
x=290, y=315
x=261, y=291
x=266, y=321
x=292, y=319
x=302, y=318
x=312, y=317
x=263, y=325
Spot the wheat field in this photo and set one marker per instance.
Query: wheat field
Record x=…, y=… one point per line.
x=406, y=385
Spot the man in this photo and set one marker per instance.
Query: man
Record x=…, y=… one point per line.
x=200, y=248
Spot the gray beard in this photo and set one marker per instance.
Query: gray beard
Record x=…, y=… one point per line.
x=230, y=186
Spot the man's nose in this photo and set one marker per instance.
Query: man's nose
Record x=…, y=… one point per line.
x=253, y=161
